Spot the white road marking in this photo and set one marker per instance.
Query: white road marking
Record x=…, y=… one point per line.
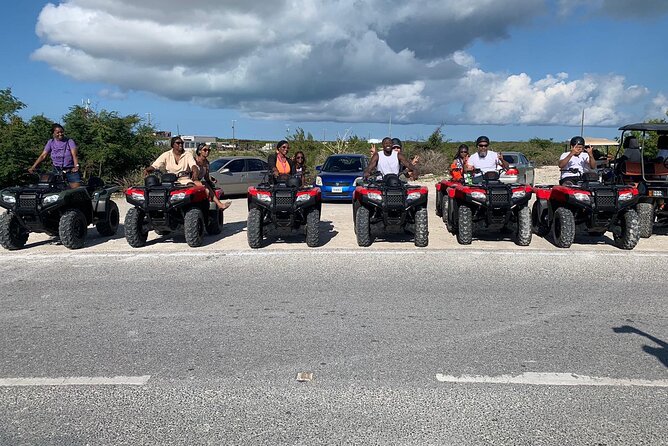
x=129, y=256
x=552, y=379
x=76, y=381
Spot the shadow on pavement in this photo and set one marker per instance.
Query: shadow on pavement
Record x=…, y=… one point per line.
x=661, y=352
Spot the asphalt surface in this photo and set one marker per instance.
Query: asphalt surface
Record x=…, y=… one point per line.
x=222, y=336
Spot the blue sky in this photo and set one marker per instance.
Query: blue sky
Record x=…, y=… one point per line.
x=512, y=69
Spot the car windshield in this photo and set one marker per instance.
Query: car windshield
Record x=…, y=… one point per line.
x=343, y=164
x=217, y=164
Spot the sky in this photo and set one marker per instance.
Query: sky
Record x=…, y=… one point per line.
x=509, y=69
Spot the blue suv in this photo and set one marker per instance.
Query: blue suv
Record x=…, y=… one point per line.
x=336, y=178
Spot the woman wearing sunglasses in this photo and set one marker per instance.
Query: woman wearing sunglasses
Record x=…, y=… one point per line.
x=279, y=163
x=299, y=164
x=202, y=160
x=460, y=164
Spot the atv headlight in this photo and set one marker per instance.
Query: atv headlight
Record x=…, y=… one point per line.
x=137, y=196
x=413, y=196
x=624, y=196
x=375, y=196
x=302, y=198
x=177, y=197
x=519, y=194
x=480, y=196
x=264, y=197
x=8, y=198
x=358, y=181
x=50, y=199
x=318, y=181
x=582, y=197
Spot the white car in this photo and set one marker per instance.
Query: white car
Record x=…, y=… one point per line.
x=520, y=170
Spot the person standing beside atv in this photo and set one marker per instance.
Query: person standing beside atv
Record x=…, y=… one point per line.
x=460, y=164
x=203, y=178
x=64, y=156
x=177, y=161
x=484, y=159
x=389, y=160
x=577, y=158
x=279, y=163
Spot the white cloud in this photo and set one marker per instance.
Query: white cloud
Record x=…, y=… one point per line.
x=658, y=108
x=317, y=60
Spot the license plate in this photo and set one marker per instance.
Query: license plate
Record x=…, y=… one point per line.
x=656, y=193
x=337, y=190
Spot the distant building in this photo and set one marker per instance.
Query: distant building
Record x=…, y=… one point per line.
x=190, y=142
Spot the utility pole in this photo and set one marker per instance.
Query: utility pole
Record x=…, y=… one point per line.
x=148, y=115
x=234, y=140
x=287, y=129
x=582, y=123
x=390, y=129
x=324, y=135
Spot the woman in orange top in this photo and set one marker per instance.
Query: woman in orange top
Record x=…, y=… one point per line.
x=279, y=163
x=460, y=163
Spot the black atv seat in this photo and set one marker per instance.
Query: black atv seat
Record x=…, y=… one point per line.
x=94, y=183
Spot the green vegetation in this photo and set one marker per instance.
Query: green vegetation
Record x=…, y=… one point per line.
x=117, y=147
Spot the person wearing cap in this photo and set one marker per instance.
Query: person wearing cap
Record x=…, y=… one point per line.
x=579, y=158
x=484, y=159
x=389, y=160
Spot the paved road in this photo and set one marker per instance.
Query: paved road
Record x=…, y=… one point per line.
x=209, y=345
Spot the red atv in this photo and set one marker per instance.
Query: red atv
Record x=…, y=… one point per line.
x=488, y=203
x=163, y=205
x=590, y=204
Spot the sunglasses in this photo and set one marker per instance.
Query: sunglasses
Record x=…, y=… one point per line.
x=463, y=153
x=299, y=157
x=483, y=145
x=178, y=142
x=205, y=150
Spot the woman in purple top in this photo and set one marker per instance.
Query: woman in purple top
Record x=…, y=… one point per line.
x=64, y=156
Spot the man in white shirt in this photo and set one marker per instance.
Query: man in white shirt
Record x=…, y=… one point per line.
x=578, y=158
x=484, y=159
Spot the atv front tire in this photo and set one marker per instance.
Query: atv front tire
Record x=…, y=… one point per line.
x=563, y=228
x=646, y=219
x=313, y=228
x=630, y=230
x=193, y=227
x=72, y=229
x=421, y=228
x=135, y=232
x=109, y=226
x=254, y=228
x=523, y=231
x=363, y=227
x=12, y=234
x=465, y=225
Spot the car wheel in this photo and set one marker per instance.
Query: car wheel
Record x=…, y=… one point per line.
x=629, y=233
x=12, y=234
x=563, y=228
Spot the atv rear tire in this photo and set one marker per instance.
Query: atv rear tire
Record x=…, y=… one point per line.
x=630, y=230
x=193, y=227
x=12, y=234
x=135, y=233
x=563, y=228
x=646, y=219
x=445, y=209
x=421, y=228
x=523, y=231
x=72, y=229
x=254, y=228
x=214, y=225
x=109, y=226
x=363, y=227
x=540, y=227
x=439, y=205
x=313, y=228
x=464, y=225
